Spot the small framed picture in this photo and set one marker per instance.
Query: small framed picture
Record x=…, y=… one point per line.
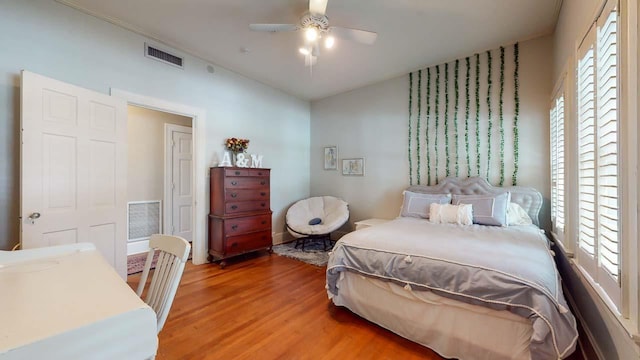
x=353, y=167
x=331, y=158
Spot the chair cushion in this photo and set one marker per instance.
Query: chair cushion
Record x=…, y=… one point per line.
x=315, y=221
x=333, y=213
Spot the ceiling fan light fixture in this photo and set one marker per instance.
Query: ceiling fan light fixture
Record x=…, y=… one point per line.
x=311, y=34
x=329, y=42
x=304, y=51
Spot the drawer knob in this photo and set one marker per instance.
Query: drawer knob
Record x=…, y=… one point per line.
x=234, y=183
x=234, y=227
x=260, y=173
x=263, y=204
x=262, y=182
x=234, y=195
x=264, y=222
x=233, y=207
x=263, y=193
x=235, y=244
x=237, y=172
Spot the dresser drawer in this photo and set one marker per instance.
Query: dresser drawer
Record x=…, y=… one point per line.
x=246, y=206
x=236, y=172
x=248, y=242
x=246, y=182
x=246, y=194
x=259, y=172
x=236, y=226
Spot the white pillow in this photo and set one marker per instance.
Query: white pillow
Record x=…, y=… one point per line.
x=451, y=214
x=417, y=204
x=516, y=215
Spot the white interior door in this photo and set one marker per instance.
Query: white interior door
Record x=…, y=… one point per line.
x=73, y=168
x=181, y=182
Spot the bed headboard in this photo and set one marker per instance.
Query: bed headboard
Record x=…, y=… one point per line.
x=529, y=198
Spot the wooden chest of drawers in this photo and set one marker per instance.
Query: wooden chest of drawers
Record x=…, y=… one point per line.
x=240, y=215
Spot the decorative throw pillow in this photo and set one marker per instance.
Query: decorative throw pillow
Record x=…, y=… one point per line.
x=516, y=215
x=487, y=209
x=417, y=204
x=315, y=221
x=451, y=214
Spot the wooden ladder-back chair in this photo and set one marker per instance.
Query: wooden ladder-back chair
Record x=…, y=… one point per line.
x=174, y=252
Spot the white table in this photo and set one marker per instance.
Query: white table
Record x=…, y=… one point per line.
x=67, y=302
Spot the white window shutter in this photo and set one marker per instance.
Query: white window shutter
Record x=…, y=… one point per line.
x=598, y=148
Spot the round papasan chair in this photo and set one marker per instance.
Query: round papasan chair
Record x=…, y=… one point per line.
x=316, y=218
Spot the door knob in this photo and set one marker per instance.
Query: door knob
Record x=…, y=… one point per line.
x=33, y=217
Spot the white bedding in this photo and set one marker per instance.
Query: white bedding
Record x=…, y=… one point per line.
x=504, y=268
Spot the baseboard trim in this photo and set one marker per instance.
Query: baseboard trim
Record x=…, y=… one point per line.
x=137, y=247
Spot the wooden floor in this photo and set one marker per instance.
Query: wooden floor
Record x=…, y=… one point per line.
x=270, y=307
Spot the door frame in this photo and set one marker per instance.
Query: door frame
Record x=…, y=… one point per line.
x=198, y=116
x=169, y=129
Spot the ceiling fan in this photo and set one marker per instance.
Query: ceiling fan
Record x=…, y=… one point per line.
x=315, y=25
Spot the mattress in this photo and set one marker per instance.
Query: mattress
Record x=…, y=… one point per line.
x=69, y=303
x=434, y=321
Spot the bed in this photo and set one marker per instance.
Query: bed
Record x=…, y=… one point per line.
x=467, y=292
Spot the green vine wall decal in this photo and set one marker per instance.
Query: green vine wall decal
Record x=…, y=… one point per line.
x=489, y=123
x=446, y=118
x=477, y=114
x=439, y=102
x=501, y=124
x=437, y=115
x=516, y=99
x=410, y=109
x=427, y=126
x=418, y=126
x=455, y=114
x=466, y=115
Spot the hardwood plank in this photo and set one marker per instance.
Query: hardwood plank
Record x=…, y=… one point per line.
x=265, y=306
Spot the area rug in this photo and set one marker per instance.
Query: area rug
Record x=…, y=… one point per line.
x=135, y=262
x=313, y=252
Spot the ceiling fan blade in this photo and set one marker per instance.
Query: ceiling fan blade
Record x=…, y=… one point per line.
x=318, y=7
x=361, y=36
x=273, y=27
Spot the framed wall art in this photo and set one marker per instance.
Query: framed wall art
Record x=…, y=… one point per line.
x=353, y=167
x=331, y=158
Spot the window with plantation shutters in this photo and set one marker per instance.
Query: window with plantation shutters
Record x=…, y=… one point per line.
x=597, y=125
x=556, y=117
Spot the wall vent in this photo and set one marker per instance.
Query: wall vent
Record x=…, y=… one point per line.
x=155, y=53
x=143, y=220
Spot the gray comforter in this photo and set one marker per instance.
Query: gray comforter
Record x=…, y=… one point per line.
x=501, y=268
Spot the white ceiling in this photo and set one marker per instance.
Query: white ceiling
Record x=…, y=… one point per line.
x=412, y=34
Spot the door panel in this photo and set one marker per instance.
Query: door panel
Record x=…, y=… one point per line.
x=182, y=194
x=73, y=167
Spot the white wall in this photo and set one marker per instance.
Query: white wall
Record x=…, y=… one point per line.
x=145, y=152
x=371, y=122
x=608, y=336
x=51, y=39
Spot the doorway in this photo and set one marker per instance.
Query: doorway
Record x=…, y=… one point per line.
x=199, y=163
x=159, y=176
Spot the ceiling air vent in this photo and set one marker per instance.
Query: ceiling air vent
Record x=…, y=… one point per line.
x=161, y=55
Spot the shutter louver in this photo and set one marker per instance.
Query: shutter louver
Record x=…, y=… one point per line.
x=607, y=121
x=586, y=151
x=560, y=164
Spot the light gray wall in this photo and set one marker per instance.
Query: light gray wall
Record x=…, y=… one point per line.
x=54, y=40
x=610, y=339
x=371, y=122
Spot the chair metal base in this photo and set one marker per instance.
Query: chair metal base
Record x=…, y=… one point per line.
x=325, y=238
